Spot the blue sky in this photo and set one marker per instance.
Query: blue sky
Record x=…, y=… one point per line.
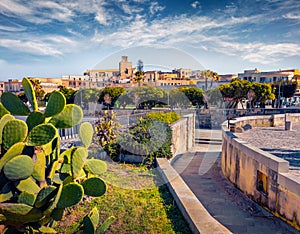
x=52, y=38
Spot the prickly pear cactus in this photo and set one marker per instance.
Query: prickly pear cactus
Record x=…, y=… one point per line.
x=38, y=181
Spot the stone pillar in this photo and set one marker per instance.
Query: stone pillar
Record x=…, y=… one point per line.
x=287, y=122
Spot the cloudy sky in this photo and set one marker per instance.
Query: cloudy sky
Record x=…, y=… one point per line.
x=50, y=38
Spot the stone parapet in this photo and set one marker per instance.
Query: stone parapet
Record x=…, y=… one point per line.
x=261, y=176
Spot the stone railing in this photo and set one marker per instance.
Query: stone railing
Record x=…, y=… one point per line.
x=263, y=177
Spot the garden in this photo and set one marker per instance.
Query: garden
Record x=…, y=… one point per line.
x=48, y=190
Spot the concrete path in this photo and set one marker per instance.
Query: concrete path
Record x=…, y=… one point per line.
x=202, y=173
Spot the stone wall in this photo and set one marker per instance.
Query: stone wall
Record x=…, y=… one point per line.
x=183, y=134
x=263, y=177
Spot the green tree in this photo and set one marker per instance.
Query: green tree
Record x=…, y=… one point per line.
x=287, y=88
x=38, y=89
x=147, y=96
x=236, y=91
x=109, y=95
x=194, y=94
x=139, y=77
x=262, y=93
x=210, y=75
x=68, y=93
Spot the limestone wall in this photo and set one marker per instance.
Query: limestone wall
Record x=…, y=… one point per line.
x=263, y=177
x=183, y=134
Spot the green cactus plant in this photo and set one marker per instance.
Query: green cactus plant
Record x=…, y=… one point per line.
x=39, y=181
x=30, y=94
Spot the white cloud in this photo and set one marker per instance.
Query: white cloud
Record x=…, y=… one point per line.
x=18, y=28
x=292, y=16
x=196, y=4
x=31, y=47
x=155, y=7
x=12, y=7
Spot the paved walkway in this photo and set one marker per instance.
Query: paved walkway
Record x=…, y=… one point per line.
x=202, y=173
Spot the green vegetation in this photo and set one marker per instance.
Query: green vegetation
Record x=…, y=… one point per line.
x=169, y=117
x=239, y=90
x=39, y=182
x=137, y=203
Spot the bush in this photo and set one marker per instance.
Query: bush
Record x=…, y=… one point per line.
x=169, y=117
x=151, y=137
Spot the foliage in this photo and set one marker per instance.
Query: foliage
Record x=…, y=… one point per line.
x=38, y=89
x=210, y=75
x=287, y=88
x=139, y=77
x=68, y=93
x=106, y=132
x=150, y=137
x=194, y=94
x=169, y=117
x=146, y=96
x=109, y=95
x=39, y=181
x=239, y=90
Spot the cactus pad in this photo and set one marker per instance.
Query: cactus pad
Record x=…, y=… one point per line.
x=56, y=104
x=3, y=121
x=71, y=194
x=28, y=185
x=77, y=160
x=6, y=192
x=95, y=166
x=41, y=135
x=13, y=104
x=94, y=187
x=19, y=168
x=34, y=119
x=90, y=222
x=45, y=195
x=3, y=110
x=26, y=198
x=20, y=212
x=69, y=117
x=29, y=92
x=57, y=214
x=39, y=166
x=13, y=151
x=14, y=131
x=86, y=133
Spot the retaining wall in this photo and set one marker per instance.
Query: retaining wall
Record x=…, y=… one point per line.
x=263, y=177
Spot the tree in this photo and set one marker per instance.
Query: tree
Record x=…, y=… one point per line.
x=287, y=88
x=109, y=96
x=38, y=89
x=262, y=93
x=147, y=96
x=68, y=93
x=235, y=92
x=210, y=75
x=194, y=94
x=139, y=77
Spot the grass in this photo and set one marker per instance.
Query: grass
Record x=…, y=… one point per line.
x=134, y=198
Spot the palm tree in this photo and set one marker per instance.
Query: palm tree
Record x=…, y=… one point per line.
x=211, y=75
x=139, y=77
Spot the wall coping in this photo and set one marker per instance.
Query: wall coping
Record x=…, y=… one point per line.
x=198, y=218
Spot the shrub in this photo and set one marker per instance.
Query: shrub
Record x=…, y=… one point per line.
x=169, y=117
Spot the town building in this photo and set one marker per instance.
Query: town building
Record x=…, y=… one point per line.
x=13, y=86
x=267, y=77
x=125, y=68
x=2, y=87
x=48, y=84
